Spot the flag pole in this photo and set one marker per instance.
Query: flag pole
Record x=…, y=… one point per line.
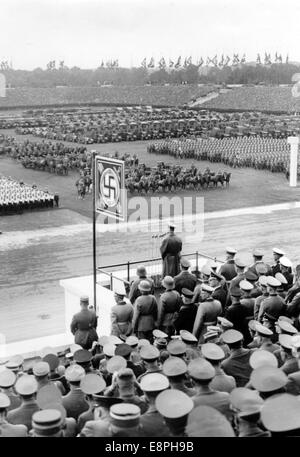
x=94, y=233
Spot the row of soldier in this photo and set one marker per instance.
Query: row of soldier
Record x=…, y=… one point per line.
x=16, y=197
x=255, y=152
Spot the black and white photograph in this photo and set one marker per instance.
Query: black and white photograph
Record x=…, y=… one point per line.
x=149, y=221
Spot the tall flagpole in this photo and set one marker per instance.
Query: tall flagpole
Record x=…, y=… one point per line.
x=94, y=233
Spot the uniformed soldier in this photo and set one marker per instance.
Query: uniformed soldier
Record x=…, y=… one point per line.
x=207, y=313
x=84, y=324
x=7, y=381
x=295, y=289
x=202, y=373
x=170, y=251
x=121, y=314
x=264, y=338
x=221, y=381
x=282, y=290
x=219, y=293
x=134, y=292
x=228, y=269
x=187, y=312
x=91, y=384
x=263, y=285
x=247, y=404
x=205, y=421
x=286, y=269
x=175, y=369
x=26, y=386
x=7, y=429
x=185, y=279
x=258, y=259
x=273, y=305
x=290, y=362
x=125, y=420
x=237, y=364
x=54, y=377
x=15, y=364
x=125, y=351
x=99, y=427
x=152, y=422
x=277, y=254
x=170, y=303
x=237, y=313
x=125, y=382
x=191, y=342
x=174, y=406
x=145, y=312
x=47, y=423
x=74, y=402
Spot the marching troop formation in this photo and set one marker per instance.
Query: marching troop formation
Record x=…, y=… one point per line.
x=216, y=354
x=15, y=197
x=255, y=152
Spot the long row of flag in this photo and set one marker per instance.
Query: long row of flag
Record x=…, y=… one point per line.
x=221, y=62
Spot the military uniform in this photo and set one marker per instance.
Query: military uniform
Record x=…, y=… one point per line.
x=228, y=270
x=170, y=251
x=121, y=318
x=83, y=327
x=207, y=314
x=145, y=315
x=186, y=280
x=26, y=386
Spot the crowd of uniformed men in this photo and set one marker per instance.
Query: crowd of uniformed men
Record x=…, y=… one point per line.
x=16, y=197
x=216, y=354
x=255, y=152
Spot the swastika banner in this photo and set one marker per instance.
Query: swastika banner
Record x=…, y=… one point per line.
x=110, y=197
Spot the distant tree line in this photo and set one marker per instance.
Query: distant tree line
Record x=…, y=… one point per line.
x=61, y=75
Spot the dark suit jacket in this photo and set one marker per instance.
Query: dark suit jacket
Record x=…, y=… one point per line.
x=186, y=318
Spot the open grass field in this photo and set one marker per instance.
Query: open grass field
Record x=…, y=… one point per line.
x=38, y=249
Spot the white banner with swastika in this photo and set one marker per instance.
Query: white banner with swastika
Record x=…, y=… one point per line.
x=110, y=193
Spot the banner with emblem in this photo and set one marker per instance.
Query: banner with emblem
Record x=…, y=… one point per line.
x=110, y=192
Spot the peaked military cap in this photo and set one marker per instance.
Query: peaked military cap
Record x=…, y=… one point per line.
x=159, y=334
x=201, y=369
x=123, y=350
x=281, y=413
x=225, y=322
x=285, y=262
x=116, y=363
x=173, y=404
x=232, y=336
x=246, y=285
x=278, y=251
x=235, y=292
x=52, y=360
x=41, y=369
x=7, y=378
x=187, y=337
x=205, y=421
x=261, y=358
x=250, y=276
x=26, y=385
x=187, y=293
x=212, y=351
x=154, y=382
x=4, y=401
x=286, y=327
x=268, y=379
x=176, y=347
x=174, y=366
x=185, y=263
x=207, y=288
x=231, y=250
x=149, y=352
x=92, y=383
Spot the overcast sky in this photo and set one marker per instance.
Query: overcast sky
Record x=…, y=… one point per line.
x=83, y=32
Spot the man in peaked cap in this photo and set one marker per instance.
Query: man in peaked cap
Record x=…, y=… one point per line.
x=264, y=338
x=84, y=324
x=145, y=312
x=248, y=404
x=284, y=285
x=175, y=369
x=191, y=342
x=185, y=279
x=221, y=381
x=237, y=364
x=277, y=254
x=187, y=312
x=240, y=268
x=207, y=313
x=290, y=362
x=263, y=286
x=74, y=402
x=91, y=384
x=125, y=420
x=121, y=314
x=55, y=377
x=281, y=415
x=126, y=384
x=176, y=348
x=273, y=304
x=7, y=381
x=237, y=313
x=83, y=358
x=219, y=293
x=26, y=386
x=258, y=259
x=228, y=269
x=134, y=292
x=252, y=277
x=41, y=371
x=170, y=250
x=174, y=406
x=205, y=421
x=7, y=429
x=170, y=303
x=202, y=373
x=125, y=351
x=152, y=422
x=99, y=427
x=150, y=357
x=247, y=301
x=286, y=269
